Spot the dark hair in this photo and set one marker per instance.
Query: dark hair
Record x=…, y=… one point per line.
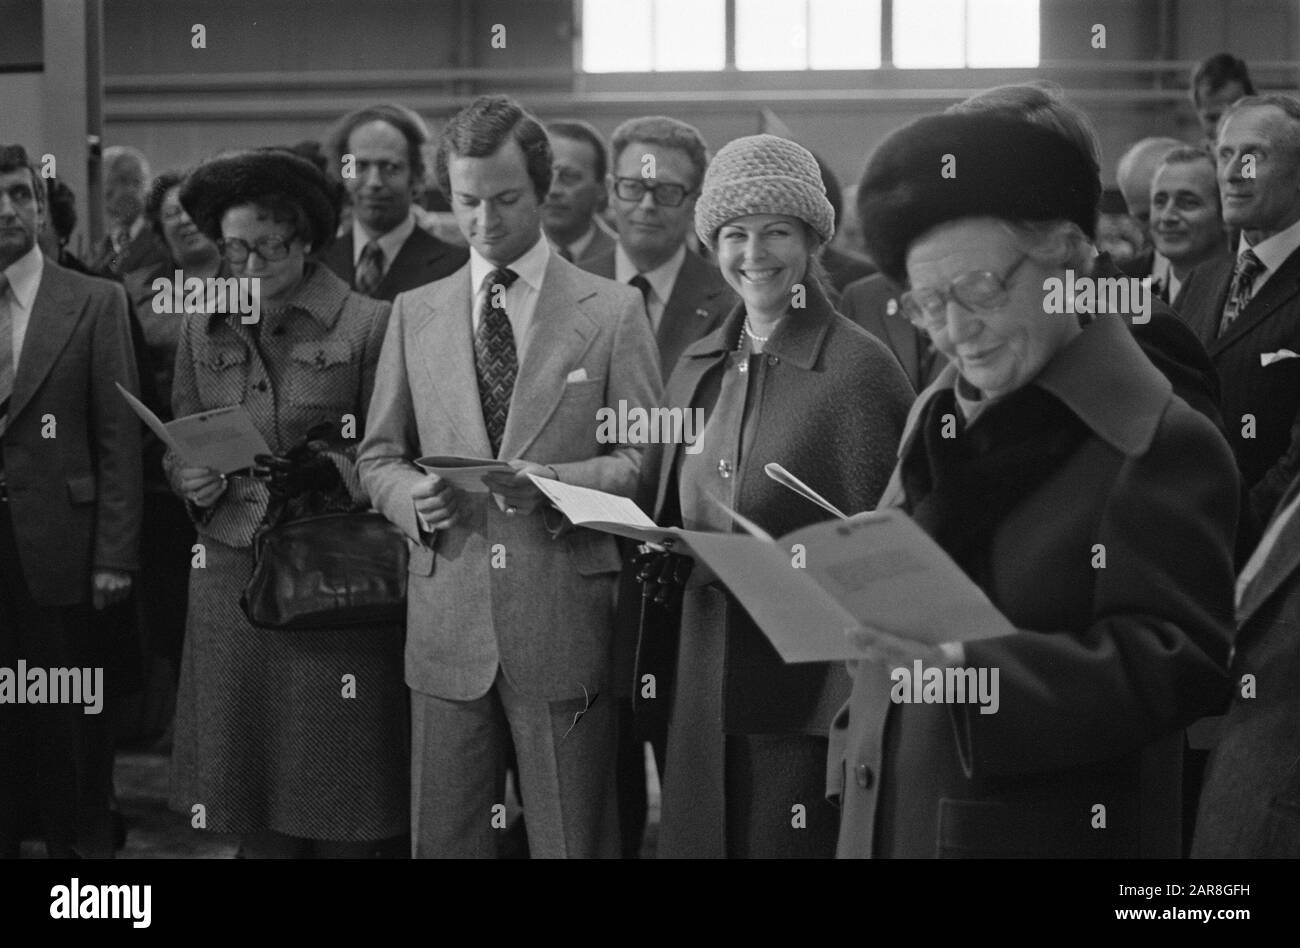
x=832, y=185
x=584, y=132
x=1216, y=72
x=666, y=133
x=482, y=127
x=153, y=201
x=400, y=117
x=14, y=158
x=62, y=205
x=283, y=209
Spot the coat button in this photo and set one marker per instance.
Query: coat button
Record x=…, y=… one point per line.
x=261, y=386
x=724, y=468
x=774, y=360
x=865, y=776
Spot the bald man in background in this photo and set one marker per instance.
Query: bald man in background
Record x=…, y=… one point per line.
x=1134, y=174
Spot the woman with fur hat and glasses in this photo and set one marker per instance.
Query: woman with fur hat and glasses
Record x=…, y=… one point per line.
x=267, y=739
x=785, y=379
x=1055, y=465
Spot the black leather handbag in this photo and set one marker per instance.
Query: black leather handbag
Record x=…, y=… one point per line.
x=331, y=571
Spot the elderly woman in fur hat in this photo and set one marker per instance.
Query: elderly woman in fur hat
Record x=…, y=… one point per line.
x=785, y=379
x=267, y=741
x=1055, y=465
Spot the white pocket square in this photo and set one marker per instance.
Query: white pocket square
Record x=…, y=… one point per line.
x=580, y=375
x=1268, y=358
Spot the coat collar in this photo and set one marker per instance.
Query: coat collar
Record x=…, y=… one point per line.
x=320, y=295
x=798, y=340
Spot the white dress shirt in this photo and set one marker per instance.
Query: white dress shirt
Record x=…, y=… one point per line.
x=390, y=243
x=24, y=280
x=521, y=297
x=662, y=279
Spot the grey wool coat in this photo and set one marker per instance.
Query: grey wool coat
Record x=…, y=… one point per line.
x=831, y=411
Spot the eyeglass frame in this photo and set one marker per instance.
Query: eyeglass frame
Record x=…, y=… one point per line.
x=224, y=245
x=922, y=320
x=653, y=189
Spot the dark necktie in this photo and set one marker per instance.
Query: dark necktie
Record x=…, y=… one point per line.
x=370, y=268
x=8, y=368
x=1249, y=267
x=642, y=284
x=495, y=359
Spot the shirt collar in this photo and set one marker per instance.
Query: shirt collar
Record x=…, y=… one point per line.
x=662, y=278
x=529, y=266
x=1273, y=251
x=390, y=243
x=25, y=276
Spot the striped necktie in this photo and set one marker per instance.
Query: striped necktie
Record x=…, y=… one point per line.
x=8, y=358
x=370, y=269
x=1249, y=267
x=495, y=359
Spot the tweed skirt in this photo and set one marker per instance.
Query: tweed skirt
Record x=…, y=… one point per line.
x=270, y=731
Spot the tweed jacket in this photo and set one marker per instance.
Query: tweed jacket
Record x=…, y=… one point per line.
x=75, y=497
x=696, y=306
x=422, y=259
x=311, y=363
x=1109, y=663
x=544, y=618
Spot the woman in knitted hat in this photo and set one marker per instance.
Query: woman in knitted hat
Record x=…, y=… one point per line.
x=1096, y=509
x=785, y=379
x=267, y=740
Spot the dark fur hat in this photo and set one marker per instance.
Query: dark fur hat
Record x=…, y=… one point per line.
x=240, y=177
x=946, y=167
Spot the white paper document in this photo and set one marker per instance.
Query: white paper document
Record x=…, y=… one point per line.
x=465, y=473
x=809, y=588
x=223, y=439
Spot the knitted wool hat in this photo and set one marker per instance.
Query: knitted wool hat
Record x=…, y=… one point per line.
x=762, y=174
x=946, y=167
x=238, y=178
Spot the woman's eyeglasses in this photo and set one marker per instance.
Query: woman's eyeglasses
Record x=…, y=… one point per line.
x=665, y=195
x=976, y=291
x=269, y=248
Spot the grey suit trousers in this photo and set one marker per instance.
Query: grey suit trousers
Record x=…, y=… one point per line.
x=566, y=774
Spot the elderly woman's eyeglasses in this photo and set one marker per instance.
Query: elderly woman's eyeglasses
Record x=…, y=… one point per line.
x=663, y=194
x=978, y=290
x=270, y=248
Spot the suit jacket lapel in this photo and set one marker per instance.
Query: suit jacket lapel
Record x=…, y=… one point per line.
x=444, y=347
x=53, y=319
x=338, y=257
x=689, y=313
x=560, y=332
x=1280, y=288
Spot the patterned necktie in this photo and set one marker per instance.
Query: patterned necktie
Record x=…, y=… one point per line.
x=8, y=368
x=495, y=360
x=1243, y=279
x=370, y=268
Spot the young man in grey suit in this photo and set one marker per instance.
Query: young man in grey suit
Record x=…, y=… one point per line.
x=70, y=496
x=510, y=607
x=385, y=253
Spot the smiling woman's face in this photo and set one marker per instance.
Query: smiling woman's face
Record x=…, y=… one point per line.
x=763, y=256
x=999, y=350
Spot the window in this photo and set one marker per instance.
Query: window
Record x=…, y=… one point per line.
x=665, y=35
x=653, y=35
x=945, y=34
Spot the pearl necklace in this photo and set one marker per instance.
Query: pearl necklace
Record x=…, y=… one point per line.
x=742, y=363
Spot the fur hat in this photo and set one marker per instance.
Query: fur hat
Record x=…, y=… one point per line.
x=240, y=177
x=762, y=174
x=946, y=167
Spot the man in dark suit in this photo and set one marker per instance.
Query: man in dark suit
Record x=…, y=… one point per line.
x=1246, y=309
x=685, y=297
x=872, y=303
x=1250, y=802
x=571, y=214
x=659, y=165
x=70, y=496
x=130, y=244
x=1186, y=218
x=378, y=154
x=514, y=356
